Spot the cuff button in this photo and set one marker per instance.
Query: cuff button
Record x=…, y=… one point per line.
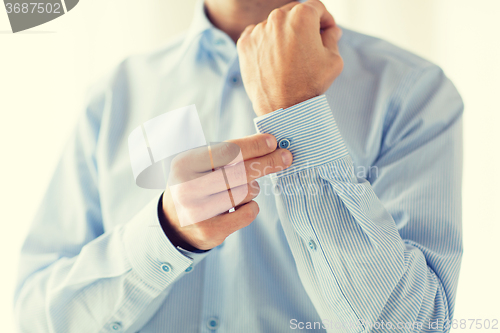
x=166, y=267
x=213, y=323
x=284, y=143
x=116, y=326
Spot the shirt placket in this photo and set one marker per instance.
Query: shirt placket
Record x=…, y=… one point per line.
x=212, y=313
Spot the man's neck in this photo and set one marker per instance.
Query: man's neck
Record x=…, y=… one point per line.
x=232, y=16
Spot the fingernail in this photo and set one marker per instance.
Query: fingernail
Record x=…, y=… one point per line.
x=287, y=157
x=270, y=143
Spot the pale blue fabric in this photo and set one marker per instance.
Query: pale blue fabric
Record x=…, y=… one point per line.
x=364, y=228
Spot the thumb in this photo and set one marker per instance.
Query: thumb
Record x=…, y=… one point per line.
x=331, y=37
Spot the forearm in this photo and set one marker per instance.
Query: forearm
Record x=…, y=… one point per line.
x=114, y=280
x=352, y=259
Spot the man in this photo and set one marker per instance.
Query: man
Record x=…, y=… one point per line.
x=357, y=228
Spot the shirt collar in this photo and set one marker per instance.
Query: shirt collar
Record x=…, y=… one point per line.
x=207, y=40
x=200, y=22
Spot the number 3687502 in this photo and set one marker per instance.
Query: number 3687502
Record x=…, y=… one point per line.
x=33, y=8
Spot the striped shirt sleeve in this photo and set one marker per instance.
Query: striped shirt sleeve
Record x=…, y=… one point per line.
x=351, y=257
x=312, y=132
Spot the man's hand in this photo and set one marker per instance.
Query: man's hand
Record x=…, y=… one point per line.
x=196, y=192
x=290, y=57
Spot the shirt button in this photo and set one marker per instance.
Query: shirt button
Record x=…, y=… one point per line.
x=189, y=269
x=116, y=326
x=312, y=245
x=235, y=80
x=166, y=267
x=213, y=324
x=284, y=143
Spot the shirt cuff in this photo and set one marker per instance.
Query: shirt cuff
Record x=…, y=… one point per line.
x=151, y=254
x=197, y=256
x=310, y=132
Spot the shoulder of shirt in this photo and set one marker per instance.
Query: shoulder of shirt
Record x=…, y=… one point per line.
x=377, y=49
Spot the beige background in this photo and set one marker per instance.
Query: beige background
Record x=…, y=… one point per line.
x=44, y=73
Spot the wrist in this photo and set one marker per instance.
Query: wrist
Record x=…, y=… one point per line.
x=311, y=131
x=171, y=231
x=262, y=107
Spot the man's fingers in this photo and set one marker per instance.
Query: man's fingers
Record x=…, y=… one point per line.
x=326, y=19
x=258, y=167
x=191, y=163
x=289, y=6
x=240, y=218
x=238, y=150
x=247, y=30
x=251, y=146
x=220, y=202
x=242, y=173
x=245, y=193
x=211, y=232
x=330, y=32
x=331, y=37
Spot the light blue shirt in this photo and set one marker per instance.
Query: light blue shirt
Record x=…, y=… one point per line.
x=363, y=230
